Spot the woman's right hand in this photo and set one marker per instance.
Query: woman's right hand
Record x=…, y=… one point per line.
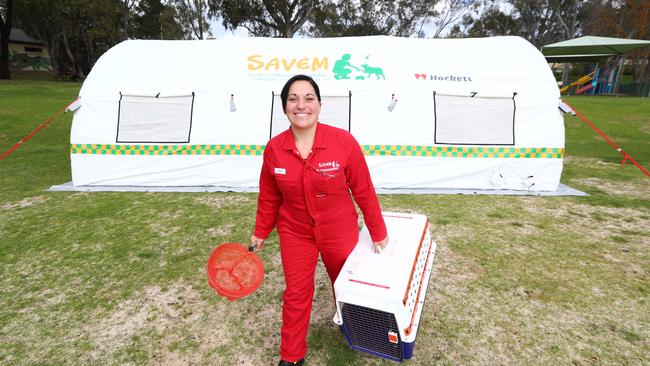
x=256, y=243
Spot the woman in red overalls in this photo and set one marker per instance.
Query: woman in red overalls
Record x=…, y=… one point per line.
x=307, y=176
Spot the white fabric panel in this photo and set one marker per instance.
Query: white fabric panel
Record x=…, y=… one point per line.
x=478, y=120
x=166, y=170
x=155, y=119
x=485, y=173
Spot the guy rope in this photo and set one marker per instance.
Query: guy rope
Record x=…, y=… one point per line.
x=626, y=156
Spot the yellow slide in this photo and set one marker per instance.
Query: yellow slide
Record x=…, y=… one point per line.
x=580, y=81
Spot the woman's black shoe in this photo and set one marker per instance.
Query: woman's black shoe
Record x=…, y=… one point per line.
x=287, y=363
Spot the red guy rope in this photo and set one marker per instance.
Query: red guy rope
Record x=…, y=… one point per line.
x=47, y=122
x=626, y=156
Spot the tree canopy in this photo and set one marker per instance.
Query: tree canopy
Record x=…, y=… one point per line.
x=77, y=32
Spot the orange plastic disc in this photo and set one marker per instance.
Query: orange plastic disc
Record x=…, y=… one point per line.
x=233, y=271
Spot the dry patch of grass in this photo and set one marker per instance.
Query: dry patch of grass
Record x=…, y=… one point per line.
x=26, y=202
x=588, y=162
x=220, y=200
x=180, y=325
x=633, y=189
x=598, y=222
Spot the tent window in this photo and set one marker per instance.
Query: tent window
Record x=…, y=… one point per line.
x=474, y=119
x=335, y=112
x=160, y=119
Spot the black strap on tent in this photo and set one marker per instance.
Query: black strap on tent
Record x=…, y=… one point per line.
x=271, y=121
x=349, y=110
x=189, y=132
x=119, y=113
x=514, y=112
x=435, y=119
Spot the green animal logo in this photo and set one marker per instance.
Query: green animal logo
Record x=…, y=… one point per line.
x=373, y=71
x=344, y=70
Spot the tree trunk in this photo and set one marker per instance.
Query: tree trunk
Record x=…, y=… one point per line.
x=5, y=31
x=70, y=56
x=126, y=19
x=91, y=58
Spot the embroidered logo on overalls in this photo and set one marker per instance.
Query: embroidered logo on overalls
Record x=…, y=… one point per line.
x=329, y=166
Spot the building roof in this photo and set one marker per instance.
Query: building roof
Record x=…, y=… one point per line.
x=19, y=36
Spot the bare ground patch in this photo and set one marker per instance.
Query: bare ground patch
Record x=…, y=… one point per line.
x=588, y=162
x=625, y=189
x=218, y=201
x=178, y=314
x=220, y=231
x=26, y=202
x=595, y=221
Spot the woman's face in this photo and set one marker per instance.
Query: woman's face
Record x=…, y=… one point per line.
x=303, y=106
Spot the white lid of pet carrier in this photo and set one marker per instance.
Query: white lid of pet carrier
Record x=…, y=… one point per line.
x=384, y=280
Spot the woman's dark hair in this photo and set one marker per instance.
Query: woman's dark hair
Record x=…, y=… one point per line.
x=285, y=90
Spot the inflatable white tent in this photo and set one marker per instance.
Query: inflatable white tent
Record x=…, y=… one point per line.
x=428, y=113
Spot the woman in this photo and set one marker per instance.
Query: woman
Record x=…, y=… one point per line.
x=305, y=184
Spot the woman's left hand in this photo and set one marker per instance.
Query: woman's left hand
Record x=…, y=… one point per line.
x=378, y=246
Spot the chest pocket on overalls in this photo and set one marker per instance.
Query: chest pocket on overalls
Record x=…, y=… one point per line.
x=328, y=183
x=286, y=184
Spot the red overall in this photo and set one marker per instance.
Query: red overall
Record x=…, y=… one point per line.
x=309, y=202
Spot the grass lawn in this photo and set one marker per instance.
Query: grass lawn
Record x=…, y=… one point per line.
x=118, y=278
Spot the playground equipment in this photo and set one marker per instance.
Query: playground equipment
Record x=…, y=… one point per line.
x=599, y=81
x=579, y=83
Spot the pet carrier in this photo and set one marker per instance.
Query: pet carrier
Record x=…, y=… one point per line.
x=380, y=297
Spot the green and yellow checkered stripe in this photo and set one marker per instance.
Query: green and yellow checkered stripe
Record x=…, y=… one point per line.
x=105, y=149
x=464, y=152
x=370, y=150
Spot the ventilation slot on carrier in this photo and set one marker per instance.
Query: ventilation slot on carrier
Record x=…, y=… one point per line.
x=369, y=329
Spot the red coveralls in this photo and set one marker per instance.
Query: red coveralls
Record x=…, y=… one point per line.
x=309, y=202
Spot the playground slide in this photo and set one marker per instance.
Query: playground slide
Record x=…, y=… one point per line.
x=582, y=80
x=584, y=88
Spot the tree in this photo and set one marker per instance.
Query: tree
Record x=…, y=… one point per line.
x=128, y=5
x=6, y=14
x=452, y=11
x=569, y=27
x=266, y=18
x=75, y=32
x=194, y=17
x=623, y=19
x=155, y=20
x=538, y=21
x=367, y=17
x=492, y=22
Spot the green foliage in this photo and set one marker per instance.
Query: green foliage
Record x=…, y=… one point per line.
x=276, y=18
x=155, y=20
x=366, y=18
